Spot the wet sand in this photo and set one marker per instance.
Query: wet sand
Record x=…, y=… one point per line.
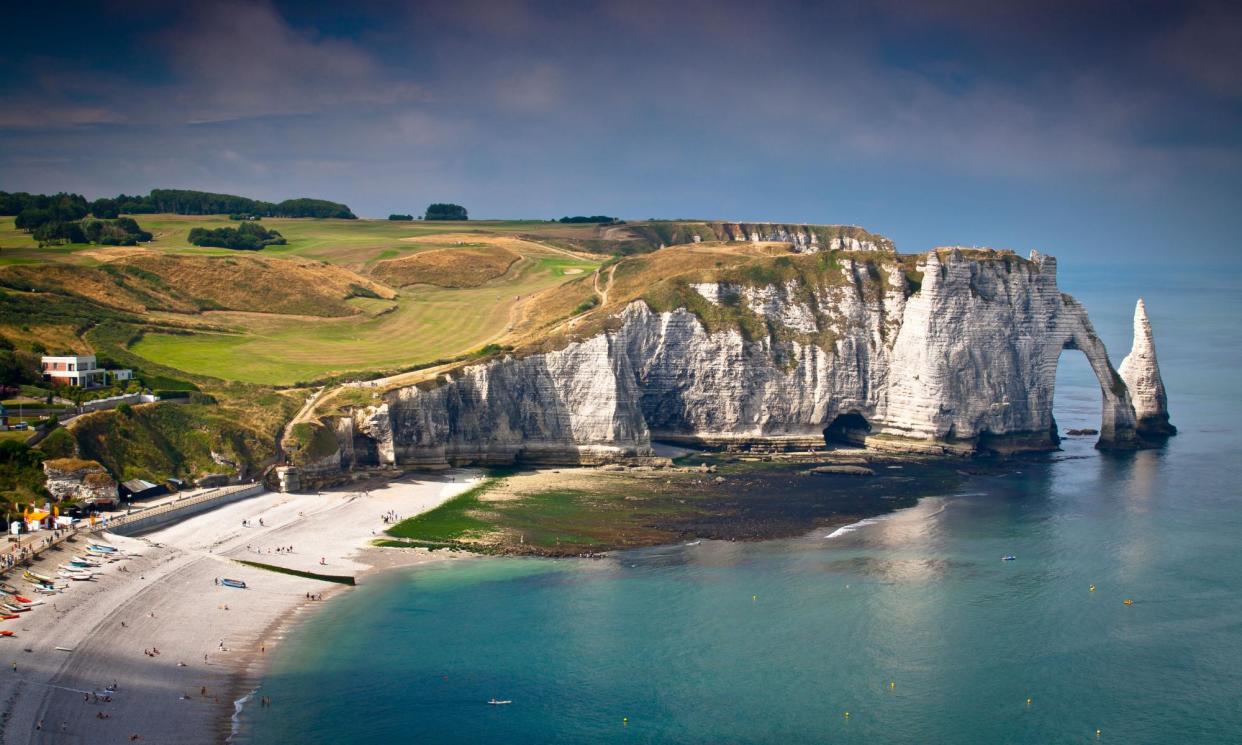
x=211, y=639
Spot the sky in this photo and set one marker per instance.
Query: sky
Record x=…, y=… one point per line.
x=1098, y=130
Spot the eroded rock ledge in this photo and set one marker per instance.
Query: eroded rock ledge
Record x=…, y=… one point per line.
x=957, y=357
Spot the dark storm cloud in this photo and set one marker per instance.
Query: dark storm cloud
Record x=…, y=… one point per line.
x=923, y=119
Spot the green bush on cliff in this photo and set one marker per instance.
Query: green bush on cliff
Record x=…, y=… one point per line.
x=165, y=440
x=308, y=443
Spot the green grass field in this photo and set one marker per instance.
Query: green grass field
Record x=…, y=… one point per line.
x=423, y=324
x=353, y=243
x=428, y=323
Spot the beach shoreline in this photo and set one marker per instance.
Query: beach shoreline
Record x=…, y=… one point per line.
x=203, y=646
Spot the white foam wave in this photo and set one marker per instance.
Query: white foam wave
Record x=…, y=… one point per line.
x=850, y=528
x=238, y=705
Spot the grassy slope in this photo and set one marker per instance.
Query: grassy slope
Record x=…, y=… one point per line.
x=427, y=323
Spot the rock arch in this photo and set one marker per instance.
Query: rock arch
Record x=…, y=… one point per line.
x=1117, y=420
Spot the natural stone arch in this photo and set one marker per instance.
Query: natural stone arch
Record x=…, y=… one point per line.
x=1117, y=424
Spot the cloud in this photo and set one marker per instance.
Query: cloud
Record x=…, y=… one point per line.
x=222, y=61
x=1207, y=48
x=241, y=59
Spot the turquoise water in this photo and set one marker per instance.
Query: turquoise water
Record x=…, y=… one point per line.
x=910, y=622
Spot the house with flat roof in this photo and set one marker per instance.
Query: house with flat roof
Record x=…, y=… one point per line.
x=77, y=370
x=80, y=371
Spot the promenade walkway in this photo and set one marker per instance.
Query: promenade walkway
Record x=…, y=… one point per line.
x=22, y=549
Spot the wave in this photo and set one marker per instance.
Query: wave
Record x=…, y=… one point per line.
x=238, y=705
x=851, y=527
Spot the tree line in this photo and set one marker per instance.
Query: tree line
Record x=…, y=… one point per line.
x=601, y=219
x=33, y=210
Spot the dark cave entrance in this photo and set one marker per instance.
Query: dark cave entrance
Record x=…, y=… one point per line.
x=850, y=429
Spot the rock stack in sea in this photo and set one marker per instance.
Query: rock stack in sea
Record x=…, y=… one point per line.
x=1141, y=373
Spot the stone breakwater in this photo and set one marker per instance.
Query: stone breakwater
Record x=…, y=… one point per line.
x=957, y=356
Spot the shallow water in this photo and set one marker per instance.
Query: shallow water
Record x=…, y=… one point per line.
x=909, y=622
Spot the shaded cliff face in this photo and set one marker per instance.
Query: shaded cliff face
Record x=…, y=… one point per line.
x=966, y=361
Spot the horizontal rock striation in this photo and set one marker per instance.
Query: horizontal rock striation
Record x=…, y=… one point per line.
x=804, y=238
x=957, y=356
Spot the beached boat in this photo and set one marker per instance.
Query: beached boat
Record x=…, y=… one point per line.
x=6, y=587
x=233, y=583
x=11, y=608
x=9, y=616
x=6, y=632
x=104, y=548
x=36, y=576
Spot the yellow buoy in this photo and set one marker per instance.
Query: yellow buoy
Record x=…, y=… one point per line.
x=1091, y=589
x=1028, y=702
x=1128, y=601
x=1097, y=733
x=847, y=715
x=892, y=684
x=754, y=598
x=625, y=720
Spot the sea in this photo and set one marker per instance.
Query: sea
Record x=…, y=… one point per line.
x=905, y=628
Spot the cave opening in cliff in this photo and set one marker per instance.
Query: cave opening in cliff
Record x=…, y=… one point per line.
x=850, y=429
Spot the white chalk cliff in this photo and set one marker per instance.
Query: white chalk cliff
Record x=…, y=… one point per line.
x=955, y=355
x=1141, y=373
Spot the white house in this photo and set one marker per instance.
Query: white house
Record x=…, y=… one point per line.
x=78, y=370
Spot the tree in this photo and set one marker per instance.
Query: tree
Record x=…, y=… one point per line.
x=400, y=217
x=445, y=211
x=105, y=209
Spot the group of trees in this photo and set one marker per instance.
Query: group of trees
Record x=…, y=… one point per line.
x=400, y=217
x=62, y=218
x=189, y=202
x=123, y=231
x=33, y=210
x=601, y=219
x=248, y=236
x=440, y=211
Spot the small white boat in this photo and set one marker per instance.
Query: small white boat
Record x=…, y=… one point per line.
x=495, y=702
x=104, y=548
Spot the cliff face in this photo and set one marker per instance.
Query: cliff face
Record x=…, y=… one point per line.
x=965, y=362
x=1141, y=373
x=71, y=478
x=804, y=238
